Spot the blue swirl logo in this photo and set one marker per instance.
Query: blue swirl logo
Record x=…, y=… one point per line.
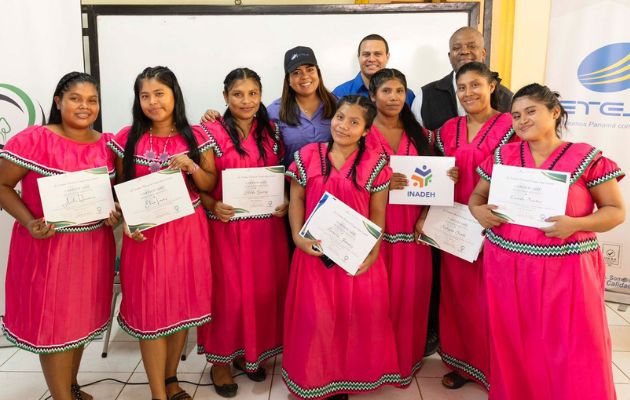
x=607, y=69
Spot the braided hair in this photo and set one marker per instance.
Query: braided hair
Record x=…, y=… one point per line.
x=141, y=123
x=264, y=129
x=413, y=129
x=369, y=112
x=65, y=84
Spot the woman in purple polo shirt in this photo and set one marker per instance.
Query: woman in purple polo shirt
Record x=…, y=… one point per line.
x=304, y=111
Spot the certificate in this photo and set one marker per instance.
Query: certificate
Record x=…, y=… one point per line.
x=253, y=191
x=76, y=197
x=346, y=236
x=454, y=230
x=154, y=199
x=528, y=196
x=428, y=182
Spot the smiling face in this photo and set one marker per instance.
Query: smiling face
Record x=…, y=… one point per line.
x=373, y=57
x=243, y=99
x=465, y=46
x=390, y=97
x=532, y=120
x=474, y=91
x=304, y=80
x=79, y=105
x=157, y=100
x=348, y=125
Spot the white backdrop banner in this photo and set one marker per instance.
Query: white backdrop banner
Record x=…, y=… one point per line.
x=41, y=41
x=588, y=62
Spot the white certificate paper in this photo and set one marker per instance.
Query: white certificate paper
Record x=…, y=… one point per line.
x=154, y=199
x=347, y=237
x=428, y=182
x=253, y=191
x=528, y=196
x=454, y=230
x=76, y=197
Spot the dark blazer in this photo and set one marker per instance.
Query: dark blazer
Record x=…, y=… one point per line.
x=439, y=103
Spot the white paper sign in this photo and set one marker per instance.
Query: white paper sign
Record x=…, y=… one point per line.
x=454, y=230
x=253, y=191
x=154, y=199
x=528, y=196
x=76, y=198
x=346, y=236
x=428, y=182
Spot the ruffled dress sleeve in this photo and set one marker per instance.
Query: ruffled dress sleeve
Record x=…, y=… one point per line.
x=601, y=170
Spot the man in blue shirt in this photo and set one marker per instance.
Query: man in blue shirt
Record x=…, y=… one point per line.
x=373, y=54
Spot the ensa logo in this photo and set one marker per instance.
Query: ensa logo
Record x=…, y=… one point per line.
x=607, y=69
x=422, y=176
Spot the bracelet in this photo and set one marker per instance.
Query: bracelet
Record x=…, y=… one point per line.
x=194, y=169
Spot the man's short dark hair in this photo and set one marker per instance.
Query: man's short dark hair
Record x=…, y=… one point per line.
x=373, y=36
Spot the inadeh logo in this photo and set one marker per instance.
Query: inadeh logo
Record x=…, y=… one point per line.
x=422, y=176
x=606, y=69
x=17, y=111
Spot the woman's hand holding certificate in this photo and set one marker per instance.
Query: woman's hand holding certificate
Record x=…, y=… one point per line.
x=154, y=199
x=528, y=196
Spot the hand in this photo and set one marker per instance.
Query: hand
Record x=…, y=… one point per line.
x=223, y=211
x=367, y=263
x=309, y=246
x=418, y=231
x=210, y=116
x=184, y=163
x=562, y=228
x=484, y=215
x=135, y=235
x=115, y=216
x=39, y=229
x=281, y=210
x=398, y=181
x=453, y=173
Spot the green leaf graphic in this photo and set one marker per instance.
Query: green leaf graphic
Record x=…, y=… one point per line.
x=505, y=217
x=240, y=211
x=141, y=227
x=98, y=171
x=279, y=169
x=374, y=232
x=556, y=176
x=429, y=240
x=62, y=224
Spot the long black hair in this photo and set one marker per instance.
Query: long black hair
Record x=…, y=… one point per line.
x=369, y=112
x=548, y=97
x=491, y=77
x=289, y=109
x=65, y=84
x=142, y=123
x=264, y=130
x=413, y=129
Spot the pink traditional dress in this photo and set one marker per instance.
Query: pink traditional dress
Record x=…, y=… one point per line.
x=549, y=336
x=166, y=279
x=338, y=334
x=58, y=290
x=250, y=260
x=408, y=267
x=463, y=308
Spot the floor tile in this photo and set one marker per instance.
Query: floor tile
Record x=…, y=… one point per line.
x=433, y=367
x=6, y=353
x=22, y=385
x=619, y=376
x=279, y=390
x=122, y=357
x=622, y=360
x=103, y=390
x=22, y=360
x=195, y=363
x=623, y=391
x=620, y=338
x=432, y=389
x=134, y=392
x=392, y=393
x=614, y=318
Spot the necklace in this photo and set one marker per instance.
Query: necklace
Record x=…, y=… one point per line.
x=155, y=162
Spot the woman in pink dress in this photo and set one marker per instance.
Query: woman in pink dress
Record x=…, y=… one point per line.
x=463, y=309
x=165, y=270
x=250, y=254
x=549, y=336
x=395, y=131
x=338, y=337
x=59, y=279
